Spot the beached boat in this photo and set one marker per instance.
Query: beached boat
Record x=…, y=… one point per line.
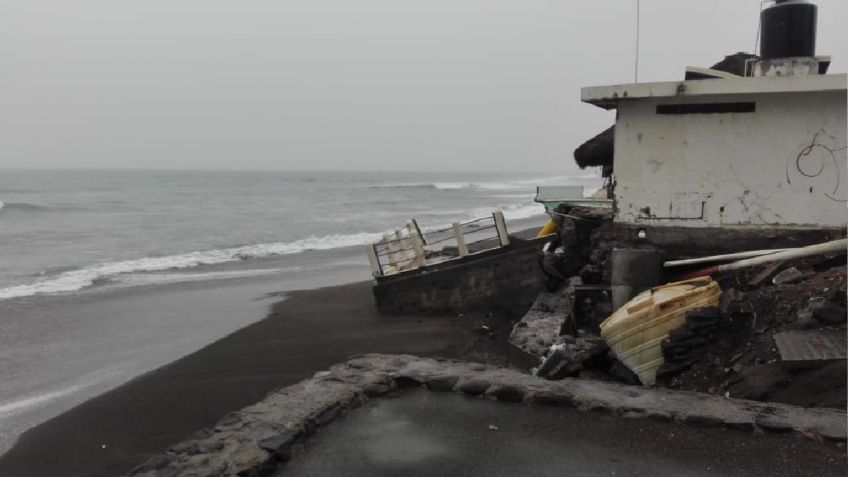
x=552, y=196
x=636, y=330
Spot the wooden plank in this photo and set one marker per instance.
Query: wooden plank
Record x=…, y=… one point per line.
x=460, y=239
x=392, y=250
x=418, y=231
x=376, y=269
x=766, y=274
x=500, y=225
x=417, y=245
x=810, y=349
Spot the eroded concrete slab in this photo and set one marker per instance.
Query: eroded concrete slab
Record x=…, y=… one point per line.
x=255, y=440
x=422, y=434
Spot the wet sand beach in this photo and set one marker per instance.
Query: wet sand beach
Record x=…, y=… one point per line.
x=307, y=332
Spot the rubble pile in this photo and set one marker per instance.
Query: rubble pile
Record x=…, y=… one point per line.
x=572, y=356
x=729, y=350
x=733, y=352
x=542, y=326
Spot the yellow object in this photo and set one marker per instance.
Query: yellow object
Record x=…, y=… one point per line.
x=634, y=331
x=548, y=229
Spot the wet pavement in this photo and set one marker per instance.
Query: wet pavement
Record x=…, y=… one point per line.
x=424, y=433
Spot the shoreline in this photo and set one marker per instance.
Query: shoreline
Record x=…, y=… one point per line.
x=301, y=335
x=100, y=341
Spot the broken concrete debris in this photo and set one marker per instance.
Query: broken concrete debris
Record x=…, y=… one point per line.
x=790, y=275
x=569, y=358
x=541, y=326
x=727, y=348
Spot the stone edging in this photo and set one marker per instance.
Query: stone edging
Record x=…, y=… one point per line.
x=256, y=439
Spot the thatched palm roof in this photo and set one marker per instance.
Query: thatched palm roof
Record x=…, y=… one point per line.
x=596, y=152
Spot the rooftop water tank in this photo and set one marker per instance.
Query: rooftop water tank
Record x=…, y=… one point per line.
x=788, y=29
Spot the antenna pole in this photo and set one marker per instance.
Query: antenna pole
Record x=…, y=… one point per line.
x=636, y=67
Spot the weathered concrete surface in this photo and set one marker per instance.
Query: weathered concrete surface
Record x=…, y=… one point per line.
x=426, y=434
x=540, y=327
x=256, y=439
x=507, y=278
x=680, y=242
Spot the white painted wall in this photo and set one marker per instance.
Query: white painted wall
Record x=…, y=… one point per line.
x=733, y=169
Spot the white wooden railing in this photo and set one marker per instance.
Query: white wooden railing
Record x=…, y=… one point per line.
x=409, y=249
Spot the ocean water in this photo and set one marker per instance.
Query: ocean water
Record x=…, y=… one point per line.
x=71, y=231
x=107, y=275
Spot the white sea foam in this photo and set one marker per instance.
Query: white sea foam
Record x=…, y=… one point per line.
x=84, y=277
x=498, y=185
x=22, y=404
x=513, y=211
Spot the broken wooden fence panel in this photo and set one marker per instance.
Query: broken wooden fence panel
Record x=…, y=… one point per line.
x=460, y=239
x=407, y=250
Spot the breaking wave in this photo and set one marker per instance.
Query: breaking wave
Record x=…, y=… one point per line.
x=487, y=185
x=76, y=279
x=21, y=207
x=84, y=277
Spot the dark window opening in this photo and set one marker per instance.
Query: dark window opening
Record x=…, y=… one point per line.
x=706, y=108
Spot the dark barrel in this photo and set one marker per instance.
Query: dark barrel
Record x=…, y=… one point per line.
x=788, y=29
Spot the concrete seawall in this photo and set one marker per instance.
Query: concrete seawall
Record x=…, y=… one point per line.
x=508, y=278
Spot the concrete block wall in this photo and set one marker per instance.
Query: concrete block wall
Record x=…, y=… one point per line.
x=508, y=278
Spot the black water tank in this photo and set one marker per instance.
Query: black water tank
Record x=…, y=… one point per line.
x=788, y=29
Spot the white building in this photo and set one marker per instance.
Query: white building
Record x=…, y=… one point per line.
x=753, y=151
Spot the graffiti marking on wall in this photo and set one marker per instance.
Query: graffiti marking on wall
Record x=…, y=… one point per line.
x=820, y=164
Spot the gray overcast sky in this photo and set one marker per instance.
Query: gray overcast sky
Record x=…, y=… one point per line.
x=341, y=84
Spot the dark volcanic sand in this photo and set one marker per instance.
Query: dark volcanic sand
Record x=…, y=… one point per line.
x=306, y=333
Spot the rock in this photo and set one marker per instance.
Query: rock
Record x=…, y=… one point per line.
x=790, y=275
x=474, y=387
x=377, y=389
x=507, y=393
x=185, y=447
x=758, y=382
x=567, y=359
x=623, y=373
x=560, y=364
x=230, y=419
x=279, y=445
x=441, y=382
x=548, y=398
x=326, y=416
x=804, y=319
x=589, y=374
x=727, y=297
x=359, y=364
x=154, y=463
x=703, y=319
x=210, y=445
x=773, y=423
x=591, y=274
x=829, y=312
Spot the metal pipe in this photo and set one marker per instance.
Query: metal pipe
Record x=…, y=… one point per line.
x=719, y=258
x=808, y=251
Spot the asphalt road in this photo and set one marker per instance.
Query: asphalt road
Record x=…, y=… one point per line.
x=430, y=434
